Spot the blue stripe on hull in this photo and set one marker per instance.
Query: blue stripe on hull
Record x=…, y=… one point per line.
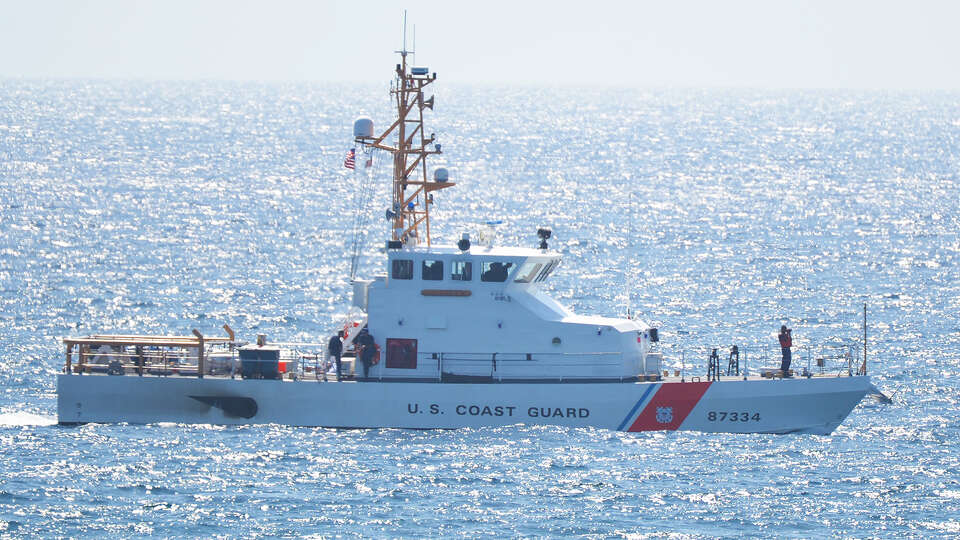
x=633, y=411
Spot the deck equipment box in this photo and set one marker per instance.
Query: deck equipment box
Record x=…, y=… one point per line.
x=260, y=362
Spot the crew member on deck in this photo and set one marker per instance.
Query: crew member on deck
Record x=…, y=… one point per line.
x=366, y=341
x=334, y=351
x=785, y=343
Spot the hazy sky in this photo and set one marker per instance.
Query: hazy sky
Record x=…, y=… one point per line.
x=774, y=44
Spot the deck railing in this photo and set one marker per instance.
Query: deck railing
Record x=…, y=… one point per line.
x=199, y=355
x=825, y=359
x=498, y=366
x=115, y=354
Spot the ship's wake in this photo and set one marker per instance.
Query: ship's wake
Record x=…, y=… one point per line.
x=21, y=418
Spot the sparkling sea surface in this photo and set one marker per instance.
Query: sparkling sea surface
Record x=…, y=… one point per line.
x=145, y=207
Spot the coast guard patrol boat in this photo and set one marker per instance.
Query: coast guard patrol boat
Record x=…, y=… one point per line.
x=464, y=337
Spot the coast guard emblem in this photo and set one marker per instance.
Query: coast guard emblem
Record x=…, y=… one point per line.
x=664, y=415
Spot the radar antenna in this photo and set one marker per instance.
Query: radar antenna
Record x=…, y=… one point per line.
x=412, y=190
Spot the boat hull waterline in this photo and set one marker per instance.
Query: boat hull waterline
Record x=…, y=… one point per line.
x=816, y=405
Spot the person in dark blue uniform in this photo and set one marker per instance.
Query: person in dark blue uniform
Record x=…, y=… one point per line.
x=335, y=351
x=366, y=341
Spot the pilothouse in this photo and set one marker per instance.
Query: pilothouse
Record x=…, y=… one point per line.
x=478, y=311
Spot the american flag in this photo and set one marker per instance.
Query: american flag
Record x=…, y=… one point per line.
x=350, y=161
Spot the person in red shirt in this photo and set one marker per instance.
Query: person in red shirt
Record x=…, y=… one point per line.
x=786, y=342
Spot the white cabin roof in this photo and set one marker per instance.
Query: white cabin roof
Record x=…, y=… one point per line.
x=493, y=251
x=622, y=325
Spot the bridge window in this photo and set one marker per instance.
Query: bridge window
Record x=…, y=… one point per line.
x=547, y=270
x=495, y=271
x=401, y=269
x=432, y=270
x=527, y=272
x=461, y=271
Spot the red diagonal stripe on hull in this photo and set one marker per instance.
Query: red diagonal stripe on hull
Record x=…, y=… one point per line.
x=681, y=398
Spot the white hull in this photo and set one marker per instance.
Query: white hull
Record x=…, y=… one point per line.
x=817, y=405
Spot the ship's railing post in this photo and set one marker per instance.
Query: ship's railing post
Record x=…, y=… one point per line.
x=69, y=358
x=231, y=335
x=863, y=367
x=440, y=367
x=683, y=365
x=200, y=351
x=82, y=359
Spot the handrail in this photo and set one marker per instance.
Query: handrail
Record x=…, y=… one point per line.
x=139, y=342
x=810, y=357
x=162, y=341
x=166, y=355
x=500, y=366
x=501, y=355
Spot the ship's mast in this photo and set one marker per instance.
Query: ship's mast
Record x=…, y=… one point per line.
x=412, y=190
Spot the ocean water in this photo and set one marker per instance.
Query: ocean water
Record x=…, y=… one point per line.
x=717, y=215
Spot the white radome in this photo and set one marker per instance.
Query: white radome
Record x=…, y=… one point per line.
x=363, y=128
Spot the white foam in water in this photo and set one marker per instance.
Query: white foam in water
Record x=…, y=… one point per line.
x=26, y=419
